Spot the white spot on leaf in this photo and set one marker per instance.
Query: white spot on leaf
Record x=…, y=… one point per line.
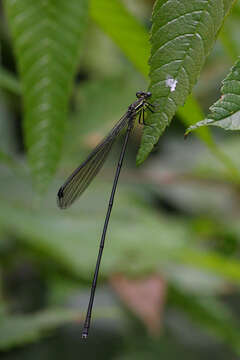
x=172, y=83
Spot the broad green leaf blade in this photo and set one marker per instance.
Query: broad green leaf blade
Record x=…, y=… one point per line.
x=46, y=37
x=21, y=329
x=124, y=29
x=211, y=261
x=182, y=35
x=170, y=241
x=225, y=113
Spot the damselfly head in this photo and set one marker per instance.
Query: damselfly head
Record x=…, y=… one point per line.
x=143, y=94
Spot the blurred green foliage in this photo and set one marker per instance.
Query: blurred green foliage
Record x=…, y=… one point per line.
x=176, y=216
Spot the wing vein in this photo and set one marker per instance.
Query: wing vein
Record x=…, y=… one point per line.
x=81, y=177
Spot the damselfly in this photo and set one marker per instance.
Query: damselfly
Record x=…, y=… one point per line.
x=79, y=180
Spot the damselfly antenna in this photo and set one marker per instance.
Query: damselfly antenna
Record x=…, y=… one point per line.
x=79, y=180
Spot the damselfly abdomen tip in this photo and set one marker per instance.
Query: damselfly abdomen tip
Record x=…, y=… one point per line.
x=84, y=335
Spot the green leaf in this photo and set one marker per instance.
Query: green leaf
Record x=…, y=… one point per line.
x=70, y=239
x=21, y=329
x=183, y=33
x=225, y=113
x=9, y=82
x=46, y=36
x=211, y=261
x=124, y=29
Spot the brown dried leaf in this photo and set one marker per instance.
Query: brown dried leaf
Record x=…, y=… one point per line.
x=145, y=297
